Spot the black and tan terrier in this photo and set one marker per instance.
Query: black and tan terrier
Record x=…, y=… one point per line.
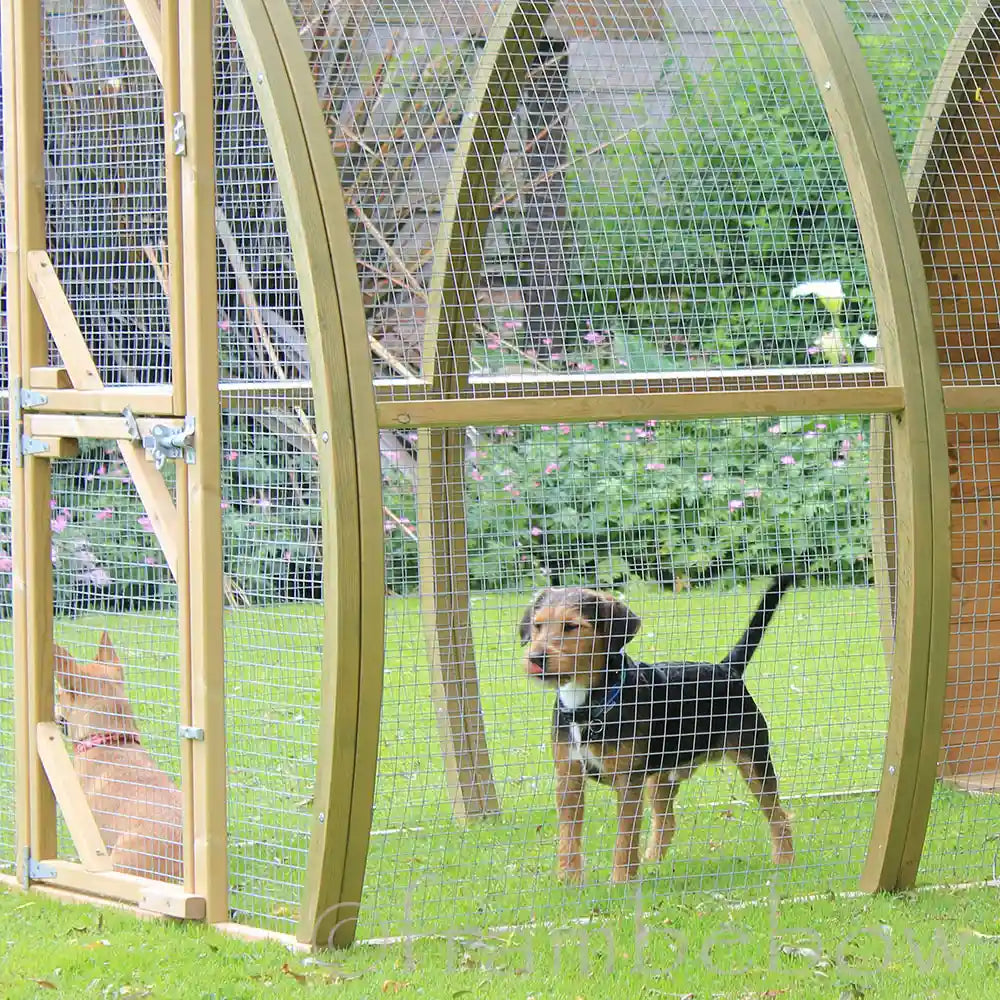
x=629, y=724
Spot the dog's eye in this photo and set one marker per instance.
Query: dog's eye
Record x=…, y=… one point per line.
x=570, y=626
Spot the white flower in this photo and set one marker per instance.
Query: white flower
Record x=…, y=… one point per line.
x=833, y=347
x=830, y=293
x=868, y=341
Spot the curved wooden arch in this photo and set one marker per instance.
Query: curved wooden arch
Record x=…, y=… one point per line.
x=918, y=494
x=347, y=440
x=952, y=183
x=919, y=451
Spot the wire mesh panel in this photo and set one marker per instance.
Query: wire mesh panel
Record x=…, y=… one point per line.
x=953, y=177
x=667, y=181
x=106, y=199
x=271, y=517
x=684, y=523
x=116, y=624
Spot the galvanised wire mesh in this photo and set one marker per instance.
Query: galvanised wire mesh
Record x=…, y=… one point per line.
x=954, y=176
x=271, y=517
x=667, y=180
x=106, y=233
x=110, y=576
x=105, y=196
x=683, y=522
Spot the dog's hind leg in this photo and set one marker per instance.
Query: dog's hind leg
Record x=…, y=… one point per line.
x=569, y=806
x=660, y=793
x=763, y=783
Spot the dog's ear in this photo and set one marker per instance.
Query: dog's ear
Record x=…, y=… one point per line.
x=67, y=671
x=616, y=621
x=529, y=613
x=108, y=658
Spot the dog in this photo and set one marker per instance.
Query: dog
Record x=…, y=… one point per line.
x=137, y=807
x=628, y=724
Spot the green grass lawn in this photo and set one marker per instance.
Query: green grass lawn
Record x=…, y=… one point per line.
x=936, y=944
x=819, y=677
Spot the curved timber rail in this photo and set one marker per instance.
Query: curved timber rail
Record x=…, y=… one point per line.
x=919, y=450
x=953, y=186
x=347, y=441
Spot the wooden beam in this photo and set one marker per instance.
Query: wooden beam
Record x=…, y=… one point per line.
x=145, y=16
x=24, y=191
x=143, y=401
x=664, y=406
x=906, y=342
x=204, y=487
x=87, y=838
x=48, y=377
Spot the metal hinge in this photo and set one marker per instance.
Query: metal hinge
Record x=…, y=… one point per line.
x=191, y=733
x=179, y=134
x=35, y=871
x=163, y=441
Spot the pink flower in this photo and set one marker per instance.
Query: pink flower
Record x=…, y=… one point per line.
x=546, y=427
x=223, y=323
x=52, y=505
x=503, y=432
x=821, y=427
x=628, y=435
x=655, y=466
x=586, y=366
x=59, y=523
x=477, y=475
x=150, y=561
x=231, y=456
x=601, y=423
x=4, y=503
x=492, y=344
x=787, y=460
x=774, y=429
x=650, y=423
x=707, y=478
x=6, y=563
x=551, y=467
x=535, y=530
x=594, y=338
x=564, y=428
x=735, y=504
x=102, y=470
x=286, y=556
x=547, y=341
x=845, y=446
x=388, y=527
x=224, y=505
x=145, y=523
x=105, y=514
x=640, y=433
x=753, y=494
x=513, y=324
x=98, y=576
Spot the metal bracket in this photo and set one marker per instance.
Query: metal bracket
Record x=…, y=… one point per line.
x=35, y=871
x=32, y=446
x=132, y=425
x=191, y=733
x=179, y=134
x=170, y=442
x=31, y=398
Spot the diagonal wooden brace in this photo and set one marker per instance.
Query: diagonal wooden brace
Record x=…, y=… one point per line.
x=79, y=362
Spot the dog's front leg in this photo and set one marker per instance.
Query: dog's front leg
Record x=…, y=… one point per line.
x=626, y=860
x=569, y=805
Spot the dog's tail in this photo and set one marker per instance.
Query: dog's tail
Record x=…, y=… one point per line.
x=740, y=655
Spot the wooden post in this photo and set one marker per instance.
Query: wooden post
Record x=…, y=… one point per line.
x=511, y=48
x=201, y=361
x=918, y=446
x=30, y=481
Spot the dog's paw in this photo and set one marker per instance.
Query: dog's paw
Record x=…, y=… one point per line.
x=571, y=872
x=654, y=852
x=624, y=874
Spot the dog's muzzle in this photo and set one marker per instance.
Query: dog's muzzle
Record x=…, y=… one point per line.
x=536, y=665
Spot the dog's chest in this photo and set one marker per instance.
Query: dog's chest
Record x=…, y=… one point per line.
x=578, y=750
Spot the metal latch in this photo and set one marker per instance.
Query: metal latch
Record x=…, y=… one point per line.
x=163, y=441
x=191, y=733
x=179, y=134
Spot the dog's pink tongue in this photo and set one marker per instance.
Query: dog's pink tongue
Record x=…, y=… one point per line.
x=534, y=668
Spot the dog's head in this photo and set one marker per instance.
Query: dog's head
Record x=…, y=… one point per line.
x=91, y=696
x=569, y=633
